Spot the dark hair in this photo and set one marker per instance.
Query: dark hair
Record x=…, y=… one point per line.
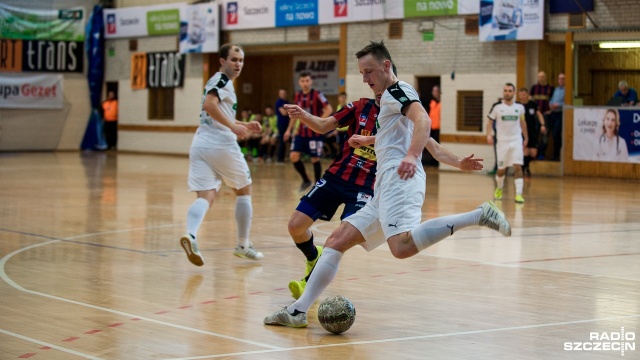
x=377, y=50
x=304, y=74
x=226, y=49
x=512, y=86
x=524, y=89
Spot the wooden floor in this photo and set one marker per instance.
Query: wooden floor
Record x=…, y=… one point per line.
x=91, y=268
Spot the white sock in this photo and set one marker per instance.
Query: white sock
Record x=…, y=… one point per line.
x=434, y=230
x=322, y=275
x=519, y=185
x=499, y=181
x=195, y=215
x=244, y=214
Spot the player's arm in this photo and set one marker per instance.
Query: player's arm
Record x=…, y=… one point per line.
x=543, y=126
x=212, y=106
x=525, y=132
x=440, y=153
x=357, y=141
x=489, y=129
x=421, y=132
x=327, y=110
x=318, y=124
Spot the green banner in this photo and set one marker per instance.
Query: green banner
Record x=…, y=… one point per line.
x=35, y=24
x=163, y=22
x=426, y=8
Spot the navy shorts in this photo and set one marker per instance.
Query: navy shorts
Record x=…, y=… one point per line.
x=324, y=198
x=311, y=146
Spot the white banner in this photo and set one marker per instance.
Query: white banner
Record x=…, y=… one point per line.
x=248, y=14
x=19, y=91
x=511, y=20
x=142, y=21
x=199, y=29
x=606, y=134
x=323, y=69
x=341, y=11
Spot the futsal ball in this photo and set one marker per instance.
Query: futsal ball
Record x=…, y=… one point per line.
x=336, y=314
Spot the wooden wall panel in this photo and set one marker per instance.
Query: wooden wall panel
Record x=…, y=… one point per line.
x=551, y=60
x=600, y=71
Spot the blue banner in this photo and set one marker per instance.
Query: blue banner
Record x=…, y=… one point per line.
x=296, y=12
x=93, y=137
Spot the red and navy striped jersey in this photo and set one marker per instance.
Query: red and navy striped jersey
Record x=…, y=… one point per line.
x=356, y=166
x=312, y=102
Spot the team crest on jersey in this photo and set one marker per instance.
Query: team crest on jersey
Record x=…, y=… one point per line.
x=364, y=197
x=363, y=120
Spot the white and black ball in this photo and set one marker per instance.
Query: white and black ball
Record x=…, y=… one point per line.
x=336, y=314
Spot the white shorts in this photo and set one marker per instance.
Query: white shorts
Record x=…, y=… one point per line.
x=396, y=207
x=208, y=168
x=509, y=153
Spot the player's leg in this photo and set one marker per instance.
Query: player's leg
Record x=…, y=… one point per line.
x=299, y=145
x=516, y=160
x=315, y=151
x=342, y=239
x=501, y=169
x=205, y=182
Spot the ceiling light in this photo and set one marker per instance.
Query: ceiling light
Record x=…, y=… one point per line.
x=619, y=45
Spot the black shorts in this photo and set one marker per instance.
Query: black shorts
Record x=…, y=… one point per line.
x=310, y=146
x=324, y=198
x=533, y=133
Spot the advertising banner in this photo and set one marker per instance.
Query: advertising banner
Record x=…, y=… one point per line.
x=248, y=14
x=511, y=20
x=157, y=70
x=199, y=29
x=41, y=56
x=296, y=12
x=323, y=69
x=426, y=8
x=342, y=11
x=19, y=91
x=142, y=21
x=606, y=134
x=37, y=24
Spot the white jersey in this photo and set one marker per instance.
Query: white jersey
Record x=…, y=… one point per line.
x=211, y=133
x=507, y=120
x=394, y=130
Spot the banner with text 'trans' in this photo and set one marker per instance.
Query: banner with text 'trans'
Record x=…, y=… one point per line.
x=157, y=70
x=606, y=134
x=37, y=24
x=21, y=91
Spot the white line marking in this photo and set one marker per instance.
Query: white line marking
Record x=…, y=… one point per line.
x=451, y=334
x=6, y=332
x=8, y=280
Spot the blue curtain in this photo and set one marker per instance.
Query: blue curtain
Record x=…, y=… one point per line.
x=94, y=45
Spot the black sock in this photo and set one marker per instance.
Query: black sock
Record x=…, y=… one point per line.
x=308, y=249
x=299, y=166
x=317, y=170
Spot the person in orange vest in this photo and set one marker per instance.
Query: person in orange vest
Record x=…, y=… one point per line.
x=434, y=114
x=110, y=111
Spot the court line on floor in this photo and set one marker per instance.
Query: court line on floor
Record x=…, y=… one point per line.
x=39, y=342
x=409, y=338
x=5, y=277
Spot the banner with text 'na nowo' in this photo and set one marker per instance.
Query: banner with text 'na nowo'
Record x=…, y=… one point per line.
x=38, y=24
x=606, y=134
x=20, y=91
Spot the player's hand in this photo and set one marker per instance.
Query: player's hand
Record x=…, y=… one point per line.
x=468, y=163
x=294, y=111
x=286, y=136
x=489, y=139
x=356, y=141
x=241, y=131
x=254, y=126
x=407, y=168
